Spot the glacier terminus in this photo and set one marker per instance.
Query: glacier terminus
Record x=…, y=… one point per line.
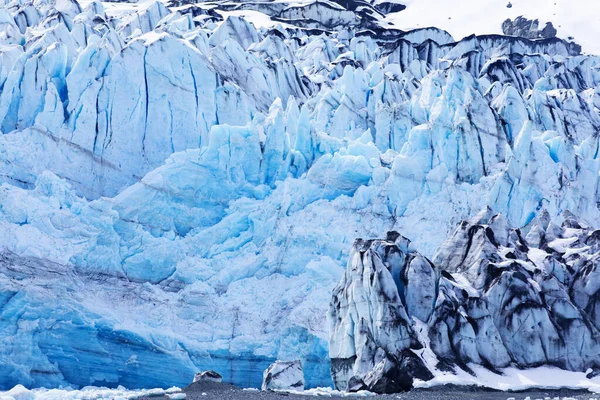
x=183, y=183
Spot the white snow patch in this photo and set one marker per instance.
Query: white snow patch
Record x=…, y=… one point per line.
x=327, y=392
x=256, y=18
x=537, y=256
x=545, y=377
x=562, y=245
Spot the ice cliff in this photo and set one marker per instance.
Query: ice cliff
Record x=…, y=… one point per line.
x=492, y=296
x=182, y=182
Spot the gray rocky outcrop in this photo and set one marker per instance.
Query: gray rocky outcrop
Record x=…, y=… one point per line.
x=528, y=29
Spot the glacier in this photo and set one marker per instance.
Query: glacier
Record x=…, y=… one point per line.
x=492, y=297
x=181, y=183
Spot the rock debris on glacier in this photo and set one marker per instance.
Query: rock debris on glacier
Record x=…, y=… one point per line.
x=493, y=296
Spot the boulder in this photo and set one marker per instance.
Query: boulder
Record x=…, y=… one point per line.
x=284, y=375
x=396, y=375
x=208, y=376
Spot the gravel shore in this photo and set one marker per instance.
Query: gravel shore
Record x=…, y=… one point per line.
x=224, y=391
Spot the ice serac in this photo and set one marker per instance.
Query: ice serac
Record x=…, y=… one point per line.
x=493, y=296
x=371, y=333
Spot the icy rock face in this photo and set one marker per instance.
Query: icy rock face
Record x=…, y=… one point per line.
x=526, y=28
x=494, y=297
x=284, y=375
x=183, y=179
x=370, y=323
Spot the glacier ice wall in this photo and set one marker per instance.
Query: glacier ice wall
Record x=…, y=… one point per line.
x=181, y=185
x=493, y=296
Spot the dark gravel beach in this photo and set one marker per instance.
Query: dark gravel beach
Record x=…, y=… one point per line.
x=224, y=391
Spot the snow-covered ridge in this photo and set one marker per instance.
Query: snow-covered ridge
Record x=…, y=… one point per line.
x=572, y=18
x=239, y=161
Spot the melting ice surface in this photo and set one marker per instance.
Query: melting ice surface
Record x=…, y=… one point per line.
x=19, y=392
x=181, y=187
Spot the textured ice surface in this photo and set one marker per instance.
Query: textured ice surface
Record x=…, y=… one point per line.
x=493, y=297
x=181, y=185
